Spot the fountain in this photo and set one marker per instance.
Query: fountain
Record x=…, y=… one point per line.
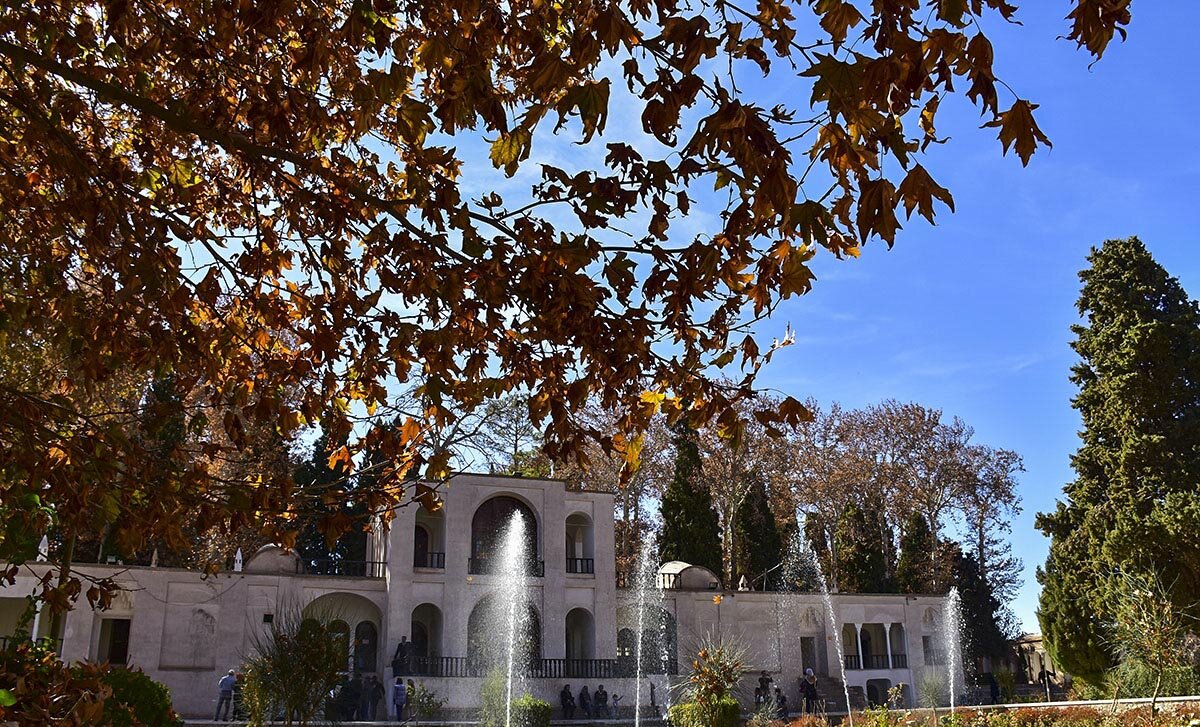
x=809, y=556
x=952, y=639
x=648, y=597
x=514, y=561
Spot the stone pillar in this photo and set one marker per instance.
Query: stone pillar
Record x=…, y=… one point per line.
x=887, y=639
x=862, y=658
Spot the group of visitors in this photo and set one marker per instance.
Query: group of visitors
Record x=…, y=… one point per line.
x=776, y=701
x=593, y=705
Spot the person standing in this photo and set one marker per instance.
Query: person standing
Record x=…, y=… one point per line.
x=567, y=700
x=375, y=695
x=781, y=708
x=400, y=658
x=808, y=691
x=600, y=700
x=225, y=695
x=616, y=707
x=399, y=698
x=585, y=702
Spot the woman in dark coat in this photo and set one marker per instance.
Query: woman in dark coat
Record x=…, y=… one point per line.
x=585, y=702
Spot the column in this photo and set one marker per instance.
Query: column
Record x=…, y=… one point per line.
x=887, y=639
x=862, y=661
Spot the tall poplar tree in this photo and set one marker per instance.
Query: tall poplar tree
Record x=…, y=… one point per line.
x=1135, y=502
x=915, y=572
x=759, y=543
x=690, y=531
x=861, y=551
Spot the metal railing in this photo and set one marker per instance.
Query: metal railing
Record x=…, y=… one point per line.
x=899, y=661
x=464, y=666
x=627, y=666
x=429, y=560
x=877, y=661
x=490, y=566
x=665, y=581
x=853, y=662
x=345, y=568
x=581, y=565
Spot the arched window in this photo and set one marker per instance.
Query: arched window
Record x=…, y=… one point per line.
x=581, y=634
x=491, y=522
x=659, y=648
x=429, y=539
x=340, y=631
x=487, y=642
x=426, y=632
x=580, y=548
x=420, y=546
x=366, y=647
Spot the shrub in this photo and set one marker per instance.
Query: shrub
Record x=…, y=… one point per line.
x=529, y=711
x=425, y=703
x=809, y=720
x=137, y=700
x=724, y=713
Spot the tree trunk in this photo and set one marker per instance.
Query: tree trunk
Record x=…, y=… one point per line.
x=1154, y=697
x=58, y=616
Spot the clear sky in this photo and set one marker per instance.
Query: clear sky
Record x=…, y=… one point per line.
x=973, y=316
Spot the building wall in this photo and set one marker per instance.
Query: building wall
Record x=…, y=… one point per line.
x=187, y=629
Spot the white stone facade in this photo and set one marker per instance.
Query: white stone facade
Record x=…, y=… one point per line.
x=427, y=576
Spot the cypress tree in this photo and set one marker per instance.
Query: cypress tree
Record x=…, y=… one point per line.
x=914, y=565
x=1135, y=501
x=690, y=532
x=759, y=542
x=980, y=611
x=860, y=552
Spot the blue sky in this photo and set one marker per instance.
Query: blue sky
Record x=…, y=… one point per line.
x=973, y=315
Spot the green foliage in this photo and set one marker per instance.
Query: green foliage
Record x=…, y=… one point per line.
x=716, y=670
x=724, y=713
x=861, y=546
x=137, y=700
x=690, y=531
x=918, y=545
x=759, y=542
x=980, y=610
x=425, y=703
x=1134, y=505
x=294, y=667
x=527, y=710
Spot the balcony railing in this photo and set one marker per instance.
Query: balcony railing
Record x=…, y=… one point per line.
x=665, y=581
x=429, y=560
x=853, y=662
x=346, y=568
x=899, y=661
x=491, y=566
x=581, y=565
x=877, y=661
x=462, y=666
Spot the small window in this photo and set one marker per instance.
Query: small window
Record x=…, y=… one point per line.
x=268, y=618
x=114, y=641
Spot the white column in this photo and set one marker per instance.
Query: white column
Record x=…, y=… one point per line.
x=862, y=661
x=887, y=638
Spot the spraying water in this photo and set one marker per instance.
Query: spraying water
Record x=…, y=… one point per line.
x=952, y=638
x=810, y=557
x=646, y=583
x=513, y=561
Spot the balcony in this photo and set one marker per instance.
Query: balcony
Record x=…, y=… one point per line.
x=491, y=566
x=435, y=561
x=899, y=661
x=877, y=661
x=665, y=581
x=342, y=568
x=461, y=666
x=853, y=663
x=581, y=565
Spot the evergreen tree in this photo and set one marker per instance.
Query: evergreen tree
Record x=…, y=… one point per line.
x=690, y=531
x=312, y=545
x=758, y=540
x=860, y=551
x=915, y=564
x=982, y=635
x=1135, y=502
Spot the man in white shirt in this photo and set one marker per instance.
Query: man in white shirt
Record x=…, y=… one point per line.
x=225, y=692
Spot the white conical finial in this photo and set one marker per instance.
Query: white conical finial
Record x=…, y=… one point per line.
x=237, y=561
x=44, y=548
x=743, y=584
x=154, y=559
